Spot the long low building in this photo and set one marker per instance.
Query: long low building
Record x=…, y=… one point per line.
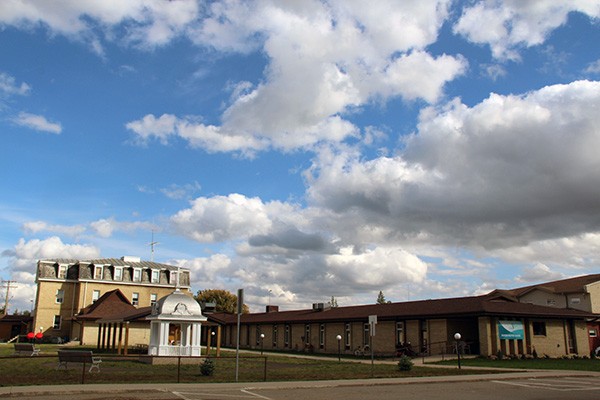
x=488, y=325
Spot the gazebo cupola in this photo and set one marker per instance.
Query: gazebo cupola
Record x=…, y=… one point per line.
x=175, y=326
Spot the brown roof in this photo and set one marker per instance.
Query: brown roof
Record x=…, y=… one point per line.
x=111, y=305
x=439, y=308
x=562, y=286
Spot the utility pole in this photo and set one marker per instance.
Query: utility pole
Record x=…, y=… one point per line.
x=8, y=285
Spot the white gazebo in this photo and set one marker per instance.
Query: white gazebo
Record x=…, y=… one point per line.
x=175, y=326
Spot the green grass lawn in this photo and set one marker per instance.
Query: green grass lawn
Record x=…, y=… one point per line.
x=538, y=363
x=42, y=370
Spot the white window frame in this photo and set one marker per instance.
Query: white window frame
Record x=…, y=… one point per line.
x=118, y=274
x=153, y=298
x=137, y=275
x=56, y=325
x=399, y=332
x=62, y=272
x=155, y=276
x=347, y=335
x=95, y=295
x=98, y=272
x=575, y=300
x=322, y=336
x=60, y=296
x=174, y=278
x=135, y=299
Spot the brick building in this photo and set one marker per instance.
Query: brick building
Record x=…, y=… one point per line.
x=66, y=286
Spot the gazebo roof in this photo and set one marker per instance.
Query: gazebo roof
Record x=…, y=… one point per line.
x=177, y=306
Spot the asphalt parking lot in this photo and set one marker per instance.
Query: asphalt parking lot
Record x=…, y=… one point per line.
x=547, y=385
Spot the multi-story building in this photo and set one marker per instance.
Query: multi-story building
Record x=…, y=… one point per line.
x=66, y=286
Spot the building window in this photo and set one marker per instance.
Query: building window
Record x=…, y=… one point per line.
x=347, y=336
x=257, y=335
x=274, y=335
x=152, y=299
x=137, y=274
x=322, y=336
x=550, y=302
x=135, y=298
x=286, y=336
x=307, y=333
x=366, y=333
x=98, y=271
x=155, y=276
x=539, y=328
x=62, y=272
x=173, y=278
x=60, y=296
x=118, y=274
x=575, y=300
x=56, y=322
x=95, y=295
x=593, y=333
x=400, y=332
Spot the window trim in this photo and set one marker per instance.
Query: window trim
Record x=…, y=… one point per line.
x=137, y=275
x=94, y=298
x=56, y=326
x=154, y=279
x=135, y=299
x=120, y=274
x=538, y=328
x=100, y=269
x=61, y=272
x=60, y=296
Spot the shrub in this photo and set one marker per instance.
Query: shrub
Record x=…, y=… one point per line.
x=207, y=368
x=405, y=363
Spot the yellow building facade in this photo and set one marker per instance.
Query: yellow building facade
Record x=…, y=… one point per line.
x=66, y=286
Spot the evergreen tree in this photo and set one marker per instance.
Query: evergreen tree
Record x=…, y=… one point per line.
x=381, y=298
x=333, y=302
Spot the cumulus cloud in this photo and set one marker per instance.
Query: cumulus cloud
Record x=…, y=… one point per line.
x=507, y=25
x=107, y=226
x=10, y=87
x=37, y=122
x=150, y=23
x=33, y=227
x=24, y=255
x=538, y=273
x=506, y=172
x=222, y=218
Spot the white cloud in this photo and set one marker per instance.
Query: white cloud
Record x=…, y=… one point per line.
x=538, y=273
x=9, y=86
x=593, y=68
x=222, y=218
x=507, y=25
x=107, y=226
x=506, y=172
x=25, y=254
x=37, y=122
x=33, y=227
x=178, y=192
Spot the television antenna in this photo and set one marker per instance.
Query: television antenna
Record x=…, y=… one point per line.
x=152, y=244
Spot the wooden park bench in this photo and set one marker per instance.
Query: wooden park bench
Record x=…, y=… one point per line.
x=26, y=348
x=72, y=356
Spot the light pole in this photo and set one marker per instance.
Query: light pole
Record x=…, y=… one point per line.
x=212, y=335
x=457, y=338
x=262, y=343
x=339, y=339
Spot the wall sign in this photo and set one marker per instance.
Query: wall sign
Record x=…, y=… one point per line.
x=511, y=330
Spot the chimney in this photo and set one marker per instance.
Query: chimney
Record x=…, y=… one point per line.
x=271, y=309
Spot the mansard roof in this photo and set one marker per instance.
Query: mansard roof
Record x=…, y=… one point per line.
x=563, y=286
x=118, y=262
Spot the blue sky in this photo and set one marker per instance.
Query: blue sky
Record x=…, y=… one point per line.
x=304, y=149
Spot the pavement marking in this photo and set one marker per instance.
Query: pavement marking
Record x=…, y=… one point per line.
x=200, y=395
x=556, y=385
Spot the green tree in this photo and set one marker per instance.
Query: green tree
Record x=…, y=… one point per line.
x=381, y=298
x=225, y=301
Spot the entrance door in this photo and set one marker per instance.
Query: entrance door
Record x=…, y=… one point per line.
x=594, y=336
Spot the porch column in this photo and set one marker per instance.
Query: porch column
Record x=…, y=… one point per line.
x=218, y=340
x=126, y=338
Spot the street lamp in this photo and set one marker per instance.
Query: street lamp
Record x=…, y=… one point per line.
x=262, y=342
x=457, y=338
x=339, y=339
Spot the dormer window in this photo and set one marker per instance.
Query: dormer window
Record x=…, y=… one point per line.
x=173, y=278
x=155, y=276
x=98, y=271
x=118, y=274
x=62, y=272
x=137, y=274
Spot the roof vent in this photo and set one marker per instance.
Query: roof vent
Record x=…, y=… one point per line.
x=320, y=306
x=131, y=259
